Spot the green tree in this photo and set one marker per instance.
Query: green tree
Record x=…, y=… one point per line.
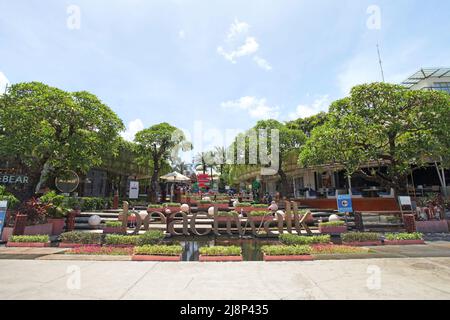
x=157, y=145
x=50, y=130
x=387, y=125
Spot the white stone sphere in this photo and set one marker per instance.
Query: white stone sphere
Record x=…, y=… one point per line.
x=184, y=208
x=94, y=221
x=143, y=214
x=273, y=206
x=281, y=212
x=334, y=217
x=211, y=211
x=167, y=211
x=207, y=198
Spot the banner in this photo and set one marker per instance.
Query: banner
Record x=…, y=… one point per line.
x=134, y=190
x=344, y=203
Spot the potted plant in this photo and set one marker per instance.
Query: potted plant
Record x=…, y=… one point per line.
x=36, y=213
x=121, y=241
x=286, y=253
x=244, y=207
x=403, y=238
x=36, y=241
x=260, y=216
x=155, y=208
x=157, y=253
x=292, y=239
x=220, y=254
x=361, y=239
x=113, y=227
x=75, y=239
x=332, y=227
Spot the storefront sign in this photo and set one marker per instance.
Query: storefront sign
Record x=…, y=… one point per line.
x=67, y=182
x=13, y=179
x=134, y=190
x=344, y=203
x=3, y=207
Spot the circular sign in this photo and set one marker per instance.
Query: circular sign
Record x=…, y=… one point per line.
x=67, y=182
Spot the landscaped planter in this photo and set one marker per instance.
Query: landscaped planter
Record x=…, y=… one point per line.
x=58, y=226
x=204, y=258
x=156, y=258
x=119, y=245
x=38, y=229
x=205, y=206
x=288, y=258
x=77, y=245
x=221, y=205
x=403, y=242
x=28, y=244
x=333, y=230
x=363, y=243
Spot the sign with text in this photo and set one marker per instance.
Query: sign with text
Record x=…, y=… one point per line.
x=13, y=179
x=134, y=190
x=3, y=207
x=344, y=203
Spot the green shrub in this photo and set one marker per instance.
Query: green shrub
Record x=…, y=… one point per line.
x=155, y=206
x=286, y=250
x=33, y=239
x=110, y=251
x=151, y=237
x=113, y=224
x=205, y=201
x=360, y=237
x=292, y=239
x=222, y=201
x=243, y=204
x=262, y=205
x=81, y=237
x=260, y=213
x=173, y=204
x=159, y=250
x=331, y=249
x=404, y=236
x=52, y=197
x=225, y=214
x=332, y=224
x=117, y=239
x=13, y=202
x=221, y=251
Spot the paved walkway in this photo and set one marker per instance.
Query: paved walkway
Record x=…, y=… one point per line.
x=394, y=278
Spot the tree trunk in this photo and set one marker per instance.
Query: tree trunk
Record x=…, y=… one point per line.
x=152, y=195
x=43, y=177
x=285, y=185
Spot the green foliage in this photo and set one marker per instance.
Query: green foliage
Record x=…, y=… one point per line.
x=205, y=202
x=226, y=214
x=260, y=205
x=221, y=251
x=260, y=213
x=53, y=130
x=13, y=202
x=93, y=204
x=155, y=206
x=159, y=250
x=291, y=239
x=151, y=237
x=332, y=249
x=222, y=201
x=172, y=204
x=53, y=198
x=360, y=237
x=113, y=224
x=31, y=239
x=332, y=224
x=286, y=250
x=116, y=239
x=404, y=236
x=109, y=251
x=243, y=205
x=81, y=237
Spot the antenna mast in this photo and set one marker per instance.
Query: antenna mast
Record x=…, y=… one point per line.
x=381, y=63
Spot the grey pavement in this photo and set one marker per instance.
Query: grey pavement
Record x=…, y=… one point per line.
x=393, y=278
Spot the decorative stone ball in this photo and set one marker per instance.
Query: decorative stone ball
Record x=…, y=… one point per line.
x=207, y=198
x=211, y=211
x=94, y=221
x=143, y=214
x=167, y=211
x=235, y=203
x=273, y=206
x=281, y=212
x=334, y=217
x=184, y=208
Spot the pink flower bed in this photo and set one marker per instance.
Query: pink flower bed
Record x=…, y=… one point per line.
x=90, y=250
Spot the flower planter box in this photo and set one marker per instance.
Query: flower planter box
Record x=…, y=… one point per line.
x=57, y=226
x=113, y=230
x=28, y=244
x=203, y=258
x=205, y=206
x=363, y=244
x=40, y=229
x=150, y=210
x=221, y=205
x=288, y=258
x=77, y=245
x=156, y=258
x=333, y=230
x=403, y=242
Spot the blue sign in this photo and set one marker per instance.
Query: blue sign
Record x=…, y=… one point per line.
x=3, y=206
x=344, y=203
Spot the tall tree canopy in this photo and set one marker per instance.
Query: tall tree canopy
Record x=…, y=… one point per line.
x=47, y=130
x=389, y=124
x=157, y=145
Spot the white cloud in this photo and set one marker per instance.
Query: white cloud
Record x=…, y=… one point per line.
x=262, y=63
x=238, y=44
x=256, y=108
x=133, y=127
x=3, y=82
x=304, y=111
x=182, y=34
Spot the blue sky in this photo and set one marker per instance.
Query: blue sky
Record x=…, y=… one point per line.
x=219, y=64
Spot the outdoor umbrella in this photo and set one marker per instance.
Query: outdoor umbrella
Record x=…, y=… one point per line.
x=174, y=177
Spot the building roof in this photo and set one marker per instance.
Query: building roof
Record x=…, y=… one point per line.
x=426, y=73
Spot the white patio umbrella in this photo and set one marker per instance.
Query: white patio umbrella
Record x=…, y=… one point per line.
x=174, y=177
